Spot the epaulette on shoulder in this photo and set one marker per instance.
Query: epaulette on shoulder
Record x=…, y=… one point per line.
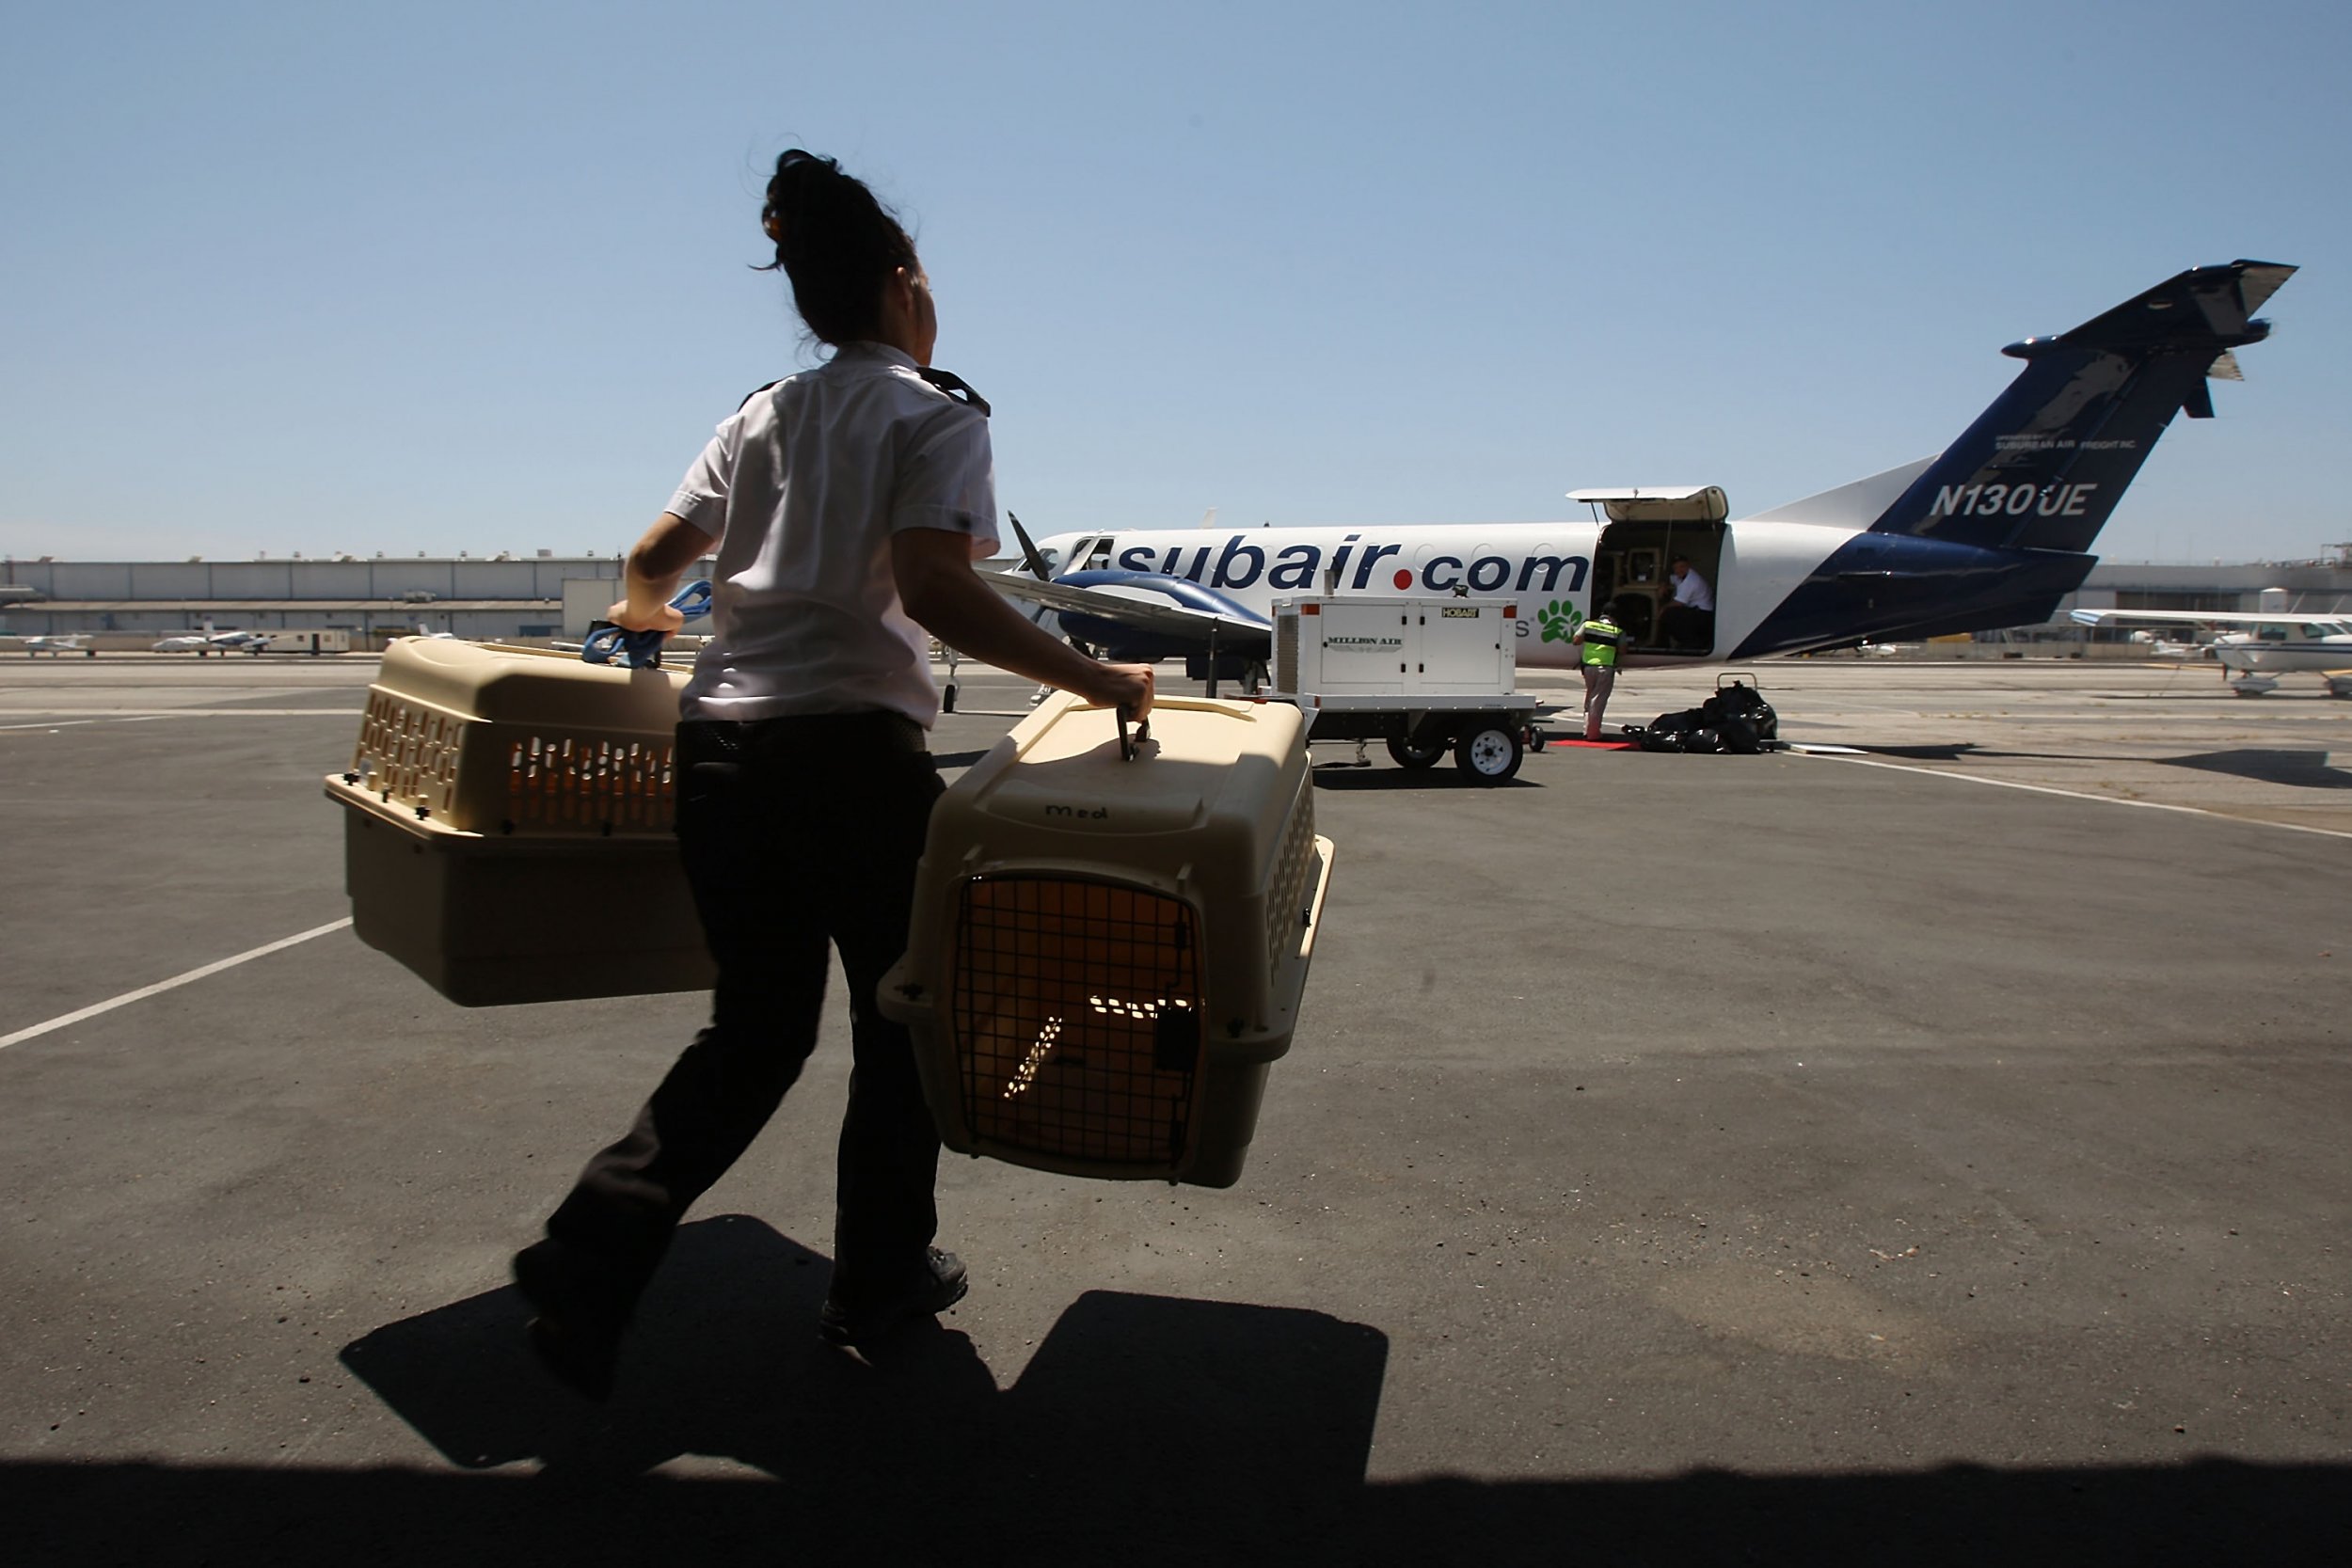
x=954, y=386
x=755, y=391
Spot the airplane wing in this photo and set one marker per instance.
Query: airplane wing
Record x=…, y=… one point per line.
x=1138, y=607
x=2200, y=617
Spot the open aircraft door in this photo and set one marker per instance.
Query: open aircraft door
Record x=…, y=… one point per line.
x=1645, y=530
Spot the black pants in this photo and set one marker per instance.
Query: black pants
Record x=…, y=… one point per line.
x=1686, y=626
x=798, y=834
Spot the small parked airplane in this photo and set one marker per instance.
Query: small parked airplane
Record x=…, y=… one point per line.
x=60, y=644
x=210, y=641
x=2167, y=648
x=1993, y=531
x=2255, y=648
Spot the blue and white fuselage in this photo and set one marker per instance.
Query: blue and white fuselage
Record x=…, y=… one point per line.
x=1993, y=532
x=1546, y=569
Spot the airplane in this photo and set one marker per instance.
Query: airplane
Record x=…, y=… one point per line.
x=1993, y=532
x=2255, y=648
x=2165, y=647
x=59, y=644
x=208, y=641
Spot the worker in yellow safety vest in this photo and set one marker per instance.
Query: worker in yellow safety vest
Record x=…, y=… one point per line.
x=1598, y=642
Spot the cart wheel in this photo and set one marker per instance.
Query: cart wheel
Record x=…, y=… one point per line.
x=1406, y=755
x=1489, y=754
x=948, y=698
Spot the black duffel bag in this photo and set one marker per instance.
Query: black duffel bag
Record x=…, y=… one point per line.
x=1740, y=701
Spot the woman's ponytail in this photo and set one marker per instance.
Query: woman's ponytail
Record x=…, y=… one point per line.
x=835, y=243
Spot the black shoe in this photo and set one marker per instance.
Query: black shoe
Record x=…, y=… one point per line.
x=852, y=1317
x=576, y=1331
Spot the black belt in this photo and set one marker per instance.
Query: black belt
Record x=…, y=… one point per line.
x=876, y=730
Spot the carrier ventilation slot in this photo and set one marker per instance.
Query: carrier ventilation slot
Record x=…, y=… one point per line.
x=559, y=782
x=1286, y=900
x=553, y=781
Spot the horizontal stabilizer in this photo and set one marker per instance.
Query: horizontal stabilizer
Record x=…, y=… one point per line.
x=2204, y=307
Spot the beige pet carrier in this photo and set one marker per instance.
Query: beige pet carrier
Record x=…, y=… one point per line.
x=1108, y=949
x=508, y=826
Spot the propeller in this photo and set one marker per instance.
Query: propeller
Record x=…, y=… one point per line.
x=1029, y=556
x=1034, y=559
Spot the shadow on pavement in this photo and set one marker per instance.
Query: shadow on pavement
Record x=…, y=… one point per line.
x=2308, y=769
x=1346, y=775
x=1946, y=751
x=2301, y=770
x=1145, y=1429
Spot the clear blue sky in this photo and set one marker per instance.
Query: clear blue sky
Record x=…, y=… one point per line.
x=426, y=277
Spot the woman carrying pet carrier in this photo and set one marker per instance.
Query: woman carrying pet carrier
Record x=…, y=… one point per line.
x=846, y=505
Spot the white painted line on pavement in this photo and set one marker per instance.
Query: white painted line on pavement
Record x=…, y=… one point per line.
x=2069, y=793
x=144, y=992
x=62, y=721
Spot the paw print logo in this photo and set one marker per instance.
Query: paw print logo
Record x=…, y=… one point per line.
x=1559, y=621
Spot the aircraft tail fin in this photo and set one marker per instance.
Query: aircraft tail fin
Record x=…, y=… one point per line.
x=2044, y=466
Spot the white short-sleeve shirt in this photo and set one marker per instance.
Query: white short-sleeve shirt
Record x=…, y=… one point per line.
x=802, y=488
x=1692, y=589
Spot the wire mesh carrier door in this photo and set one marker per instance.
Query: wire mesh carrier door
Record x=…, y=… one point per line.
x=1110, y=937
x=1076, y=1014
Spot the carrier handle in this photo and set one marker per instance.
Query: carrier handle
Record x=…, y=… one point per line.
x=1127, y=743
x=642, y=650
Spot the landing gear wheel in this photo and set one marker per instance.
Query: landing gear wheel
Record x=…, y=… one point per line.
x=1406, y=754
x=1489, y=754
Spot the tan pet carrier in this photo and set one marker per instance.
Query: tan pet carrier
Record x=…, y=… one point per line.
x=1109, y=943
x=508, y=826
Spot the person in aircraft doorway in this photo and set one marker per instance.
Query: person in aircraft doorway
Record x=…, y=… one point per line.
x=1688, y=619
x=1596, y=643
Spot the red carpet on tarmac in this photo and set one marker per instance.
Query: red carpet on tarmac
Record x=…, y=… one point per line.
x=1597, y=745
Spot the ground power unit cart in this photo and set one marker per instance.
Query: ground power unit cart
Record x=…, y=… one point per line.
x=1427, y=676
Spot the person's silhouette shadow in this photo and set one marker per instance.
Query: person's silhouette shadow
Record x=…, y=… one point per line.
x=1131, y=1406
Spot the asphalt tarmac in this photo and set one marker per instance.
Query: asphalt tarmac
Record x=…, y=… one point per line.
x=1932, y=1150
